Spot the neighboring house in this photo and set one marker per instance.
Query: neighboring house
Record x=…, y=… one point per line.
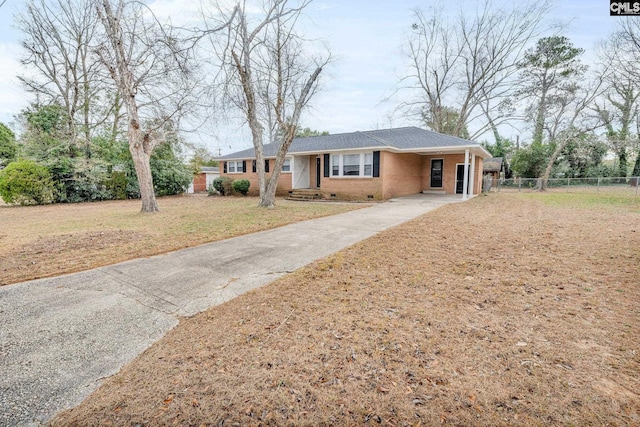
x=378, y=164
x=203, y=180
x=494, y=168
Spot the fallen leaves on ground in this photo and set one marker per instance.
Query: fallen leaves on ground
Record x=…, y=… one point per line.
x=498, y=311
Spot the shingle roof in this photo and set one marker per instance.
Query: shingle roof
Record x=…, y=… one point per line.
x=406, y=138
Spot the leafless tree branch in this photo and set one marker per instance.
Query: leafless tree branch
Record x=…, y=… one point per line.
x=468, y=63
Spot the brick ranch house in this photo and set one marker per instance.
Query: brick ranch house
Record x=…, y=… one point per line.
x=377, y=164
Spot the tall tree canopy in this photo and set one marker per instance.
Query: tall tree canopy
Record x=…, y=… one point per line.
x=550, y=72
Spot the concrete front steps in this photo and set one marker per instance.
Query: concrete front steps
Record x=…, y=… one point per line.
x=305, y=194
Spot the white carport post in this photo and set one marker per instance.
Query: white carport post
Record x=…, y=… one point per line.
x=465, y=186
x=473, y=174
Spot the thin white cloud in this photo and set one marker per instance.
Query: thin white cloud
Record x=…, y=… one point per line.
x=12, y=97
x=365, y=36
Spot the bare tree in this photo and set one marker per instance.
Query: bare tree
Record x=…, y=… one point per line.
x=569, y=116
x=620, y=106
x=269, y=77
x=58, y=38
x=151, y=73
x=468, y=64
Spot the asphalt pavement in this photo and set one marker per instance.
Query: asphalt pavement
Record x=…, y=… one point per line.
x=61, y=336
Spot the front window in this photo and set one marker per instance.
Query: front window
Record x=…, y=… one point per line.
x=368, y=164
x=286, y=166
x=335, y=165
x=234, y=167
x=352, y=165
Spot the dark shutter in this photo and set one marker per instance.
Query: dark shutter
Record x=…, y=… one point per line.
x=244, y=166
x=376, y=164
x=266, y=165
x=326, y=165
x=224, y=167
x=253, y=166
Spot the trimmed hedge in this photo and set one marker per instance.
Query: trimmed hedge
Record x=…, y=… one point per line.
x=241, y=186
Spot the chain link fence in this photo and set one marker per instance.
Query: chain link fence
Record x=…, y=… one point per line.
x=627, y=185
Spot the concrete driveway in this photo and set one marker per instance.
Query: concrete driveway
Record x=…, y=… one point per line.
x=60, y=337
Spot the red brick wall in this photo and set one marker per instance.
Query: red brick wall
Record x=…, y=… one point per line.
x=347, y=188
x=449, y=172
x=352, y=188
x=449, y=166
x=401, y=174
x=284, y=180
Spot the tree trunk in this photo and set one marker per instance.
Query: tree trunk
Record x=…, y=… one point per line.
x=542, y=184
x=268, y=196
x=540, y=113
x=145, y=179
x=636, y=167
x=141, y=146
x=622, y=162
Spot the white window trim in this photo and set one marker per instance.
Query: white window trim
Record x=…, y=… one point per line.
x=290, y=165
x=237, y=165
x=341, y=164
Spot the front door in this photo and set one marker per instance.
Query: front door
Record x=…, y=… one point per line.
x=436, y=173
x=460, y=179
x=317, y=172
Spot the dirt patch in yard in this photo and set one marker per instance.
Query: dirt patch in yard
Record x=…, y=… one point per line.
x=498, y=311
x=34, y=259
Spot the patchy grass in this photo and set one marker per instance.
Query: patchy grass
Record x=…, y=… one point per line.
x=588, y=200
x=41, y=241
x=500, y=311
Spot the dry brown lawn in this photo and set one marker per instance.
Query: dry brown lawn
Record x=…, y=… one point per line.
x=505, y=310
x=42, y=241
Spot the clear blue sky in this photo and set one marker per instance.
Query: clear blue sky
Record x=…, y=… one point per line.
x=365, y=37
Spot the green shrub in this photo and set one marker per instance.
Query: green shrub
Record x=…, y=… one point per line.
x=26, y=182
x=117, y=185
x=224, y=185
x=170, y=176
x=78, y=180
x=241, y=186
x=212, y=190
